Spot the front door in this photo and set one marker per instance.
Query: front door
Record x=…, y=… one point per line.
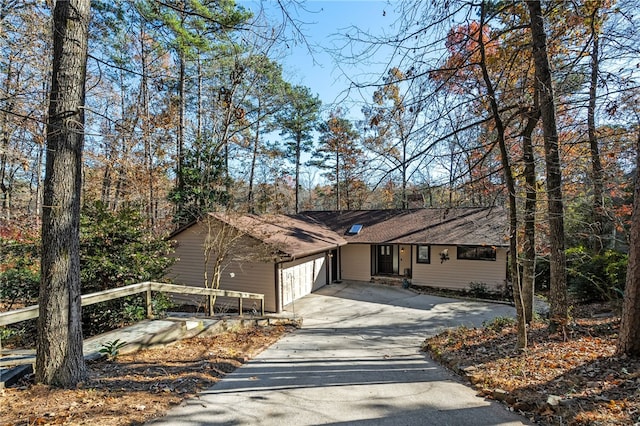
x=385, y=259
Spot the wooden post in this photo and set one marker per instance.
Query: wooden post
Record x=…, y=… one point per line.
x=262, y=306
x=211, y=305
x=149, y=304
x=240, y=306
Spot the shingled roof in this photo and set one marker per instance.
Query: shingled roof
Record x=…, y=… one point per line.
x=293, y=237
x=446, y=226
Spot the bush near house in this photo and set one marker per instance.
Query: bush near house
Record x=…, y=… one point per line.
x=115, y=251
x=19, y=271
x=591, y=277
x=596, y=277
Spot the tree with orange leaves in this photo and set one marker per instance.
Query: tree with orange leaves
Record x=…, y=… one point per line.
x=339, y=153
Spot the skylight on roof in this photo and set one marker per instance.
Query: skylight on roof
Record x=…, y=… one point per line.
x=355, y=229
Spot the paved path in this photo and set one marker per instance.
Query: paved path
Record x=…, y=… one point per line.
x=356, y=360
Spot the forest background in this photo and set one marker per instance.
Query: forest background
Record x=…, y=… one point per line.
x=167, y=94
x=188, y=111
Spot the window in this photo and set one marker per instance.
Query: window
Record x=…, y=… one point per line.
x=477, y=252
x=355, y=229
x=422, y=254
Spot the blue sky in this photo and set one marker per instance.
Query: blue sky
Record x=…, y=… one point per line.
x=325, y=23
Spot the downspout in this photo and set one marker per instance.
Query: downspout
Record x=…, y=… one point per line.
x=339, y=264
x=278, y=286
x=411, y=260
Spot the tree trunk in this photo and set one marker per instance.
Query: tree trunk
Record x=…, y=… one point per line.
x=596, y=165
x=297, y=177
x=59, y=357
x=559, y=310
x=200, y=112
x=511, y=189
x=5, y=184
x=338, y=201
x=146, y=130
x=629, y=336
x=181, y=111
x=529, y=243
x=405, y=202
x=252, y=171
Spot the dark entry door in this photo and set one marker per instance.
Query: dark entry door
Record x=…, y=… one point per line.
x=385, y=259
x=334, y=266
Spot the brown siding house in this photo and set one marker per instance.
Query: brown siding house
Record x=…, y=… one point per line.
x=286, y=257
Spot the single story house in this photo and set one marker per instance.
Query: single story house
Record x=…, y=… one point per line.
x=289, y=256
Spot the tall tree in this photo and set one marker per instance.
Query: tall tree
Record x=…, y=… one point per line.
x=489, y=65
x=59, y=356
x=394, y=116
x=594, y=22
x=191, y=28
x=559, y=309
x=629, y=336
x=204, y=182
x=508, y=177
x=297, y=120
x=267, y=87
x=338, y=152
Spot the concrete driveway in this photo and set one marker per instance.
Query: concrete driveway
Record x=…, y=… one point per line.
x=356, y=360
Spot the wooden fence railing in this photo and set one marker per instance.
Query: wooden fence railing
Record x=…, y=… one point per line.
x=148, y=287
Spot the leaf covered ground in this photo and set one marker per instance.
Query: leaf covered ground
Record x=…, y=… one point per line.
x=137, y=387
x=577, y=381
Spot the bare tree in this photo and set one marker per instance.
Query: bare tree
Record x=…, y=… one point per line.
x=230, y=239
x=559, y=309
x=509, y=182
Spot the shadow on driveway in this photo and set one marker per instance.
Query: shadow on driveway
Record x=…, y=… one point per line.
x=356, y=360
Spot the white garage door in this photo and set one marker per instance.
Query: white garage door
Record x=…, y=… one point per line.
x=301, y=277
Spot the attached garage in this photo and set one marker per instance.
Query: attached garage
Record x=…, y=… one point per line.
x=279, y=256
x=303, y=276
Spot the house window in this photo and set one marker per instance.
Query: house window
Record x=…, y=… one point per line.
x=422, y=254
x=355, y=229
x=477, y=252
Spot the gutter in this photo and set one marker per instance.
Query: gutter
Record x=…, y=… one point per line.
x=301, y=255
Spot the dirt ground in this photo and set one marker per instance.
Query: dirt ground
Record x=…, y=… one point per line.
x=577, y=381
x=138, y=387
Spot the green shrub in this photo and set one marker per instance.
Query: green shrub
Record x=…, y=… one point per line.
x=117, y=250
x=19, y=284
x=161, y=303
x=112, y=348
x=599, y=277
x=479, y=290
x=19, y=271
